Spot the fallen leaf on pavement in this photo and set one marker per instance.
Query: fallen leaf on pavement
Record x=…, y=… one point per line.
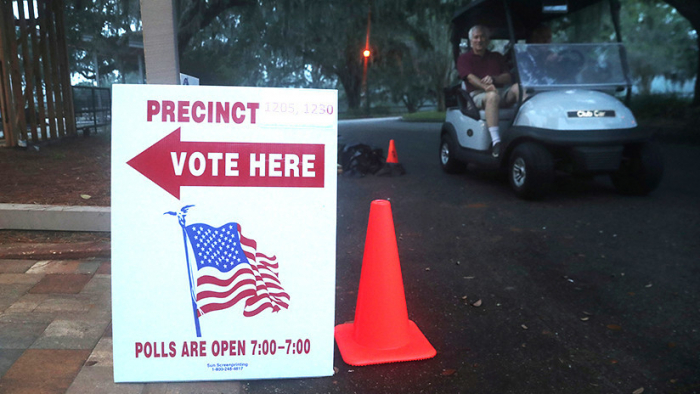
x=85, y=196
x=585, y=318
x=638, y=391
x=477, y=303
x=448, y=372
x=523, y=326
x=614, y=327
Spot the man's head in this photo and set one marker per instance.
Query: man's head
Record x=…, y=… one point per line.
x=541, y=35
x=479, y=37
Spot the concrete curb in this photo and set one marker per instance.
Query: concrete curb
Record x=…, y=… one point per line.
x=54, y=218
x=55, y=251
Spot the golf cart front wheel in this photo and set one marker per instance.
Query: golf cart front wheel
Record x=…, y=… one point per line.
x=641, y=170
x=530, y=171
x=448, y=162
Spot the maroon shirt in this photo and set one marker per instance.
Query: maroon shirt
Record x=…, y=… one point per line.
x=492, y=63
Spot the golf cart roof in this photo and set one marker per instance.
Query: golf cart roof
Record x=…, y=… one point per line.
x=525, y=15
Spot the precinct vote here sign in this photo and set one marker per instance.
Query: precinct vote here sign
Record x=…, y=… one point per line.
x=223, y=232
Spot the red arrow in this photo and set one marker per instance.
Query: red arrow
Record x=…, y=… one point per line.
x=171, y=164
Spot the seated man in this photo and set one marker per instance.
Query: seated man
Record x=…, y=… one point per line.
x=487, y=79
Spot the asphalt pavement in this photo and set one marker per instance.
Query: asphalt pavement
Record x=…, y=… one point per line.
x=586, y=291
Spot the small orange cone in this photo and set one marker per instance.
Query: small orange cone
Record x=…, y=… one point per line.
x=381, y=332
x=392, y=157
x=392, y=167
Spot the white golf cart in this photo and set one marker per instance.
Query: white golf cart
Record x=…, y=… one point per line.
x=570, y=120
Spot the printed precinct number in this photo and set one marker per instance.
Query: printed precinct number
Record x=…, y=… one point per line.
x=318, y=109
x=308, y=108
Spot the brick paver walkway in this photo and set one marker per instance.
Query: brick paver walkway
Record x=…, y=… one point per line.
x=56, y=332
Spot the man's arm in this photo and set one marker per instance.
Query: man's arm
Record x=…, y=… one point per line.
x=502, y=79
x=480, y=83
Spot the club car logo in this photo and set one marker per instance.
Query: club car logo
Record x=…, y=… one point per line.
x=598, y=113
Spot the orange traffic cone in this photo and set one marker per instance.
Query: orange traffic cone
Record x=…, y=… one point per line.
x=392, y=166
x=381, y=332
x=392, y=157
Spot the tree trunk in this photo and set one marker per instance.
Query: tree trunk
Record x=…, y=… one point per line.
x=440, y=96
x=353, y=89
x=350, y=76
x=696, y=94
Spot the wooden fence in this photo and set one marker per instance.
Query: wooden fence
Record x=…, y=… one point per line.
x=35, y=89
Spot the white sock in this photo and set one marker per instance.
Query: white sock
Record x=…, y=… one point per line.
x=494, y=135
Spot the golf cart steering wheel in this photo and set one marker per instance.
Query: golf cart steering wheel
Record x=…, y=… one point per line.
x=570, y=62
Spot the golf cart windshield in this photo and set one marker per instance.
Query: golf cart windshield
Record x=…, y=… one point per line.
x=563, y=66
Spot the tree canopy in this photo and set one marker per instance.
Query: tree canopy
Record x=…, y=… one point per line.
x=312, y=44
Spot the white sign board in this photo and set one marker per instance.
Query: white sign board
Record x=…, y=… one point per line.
x=223, y=232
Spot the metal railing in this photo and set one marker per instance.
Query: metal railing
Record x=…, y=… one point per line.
x=93, y=108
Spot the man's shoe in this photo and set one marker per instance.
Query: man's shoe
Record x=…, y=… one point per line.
x=496, y=150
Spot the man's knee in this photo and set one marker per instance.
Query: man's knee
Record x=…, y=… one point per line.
x=492, y=98
x=512, y=95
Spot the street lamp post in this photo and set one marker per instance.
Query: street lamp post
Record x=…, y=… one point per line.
x=366, y=54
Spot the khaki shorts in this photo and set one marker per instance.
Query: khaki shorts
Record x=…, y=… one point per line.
x=480, y=95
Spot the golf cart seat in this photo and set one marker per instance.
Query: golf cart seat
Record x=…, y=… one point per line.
x=469, y=108
x=503, y=114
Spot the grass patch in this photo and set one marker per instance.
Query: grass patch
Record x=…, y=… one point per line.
x=427, y=116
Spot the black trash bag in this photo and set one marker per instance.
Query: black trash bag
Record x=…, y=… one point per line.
x=359, y=160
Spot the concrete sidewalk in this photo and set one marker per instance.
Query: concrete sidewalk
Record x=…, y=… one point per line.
x=56, y=327
x=54, y=217
x=55, y=309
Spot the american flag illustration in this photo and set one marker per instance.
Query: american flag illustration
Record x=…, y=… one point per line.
x=230, y=270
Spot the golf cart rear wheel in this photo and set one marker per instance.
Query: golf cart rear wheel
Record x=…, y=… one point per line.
x=530, y=170
x=641, y=170
x=448, y=162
